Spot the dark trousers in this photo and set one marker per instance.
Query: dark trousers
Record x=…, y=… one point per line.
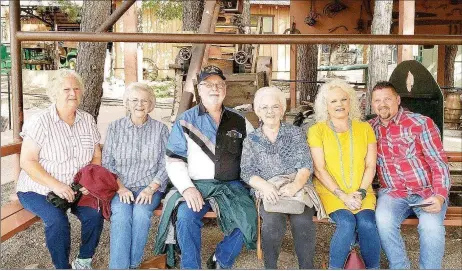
x=58, y=230
x=303, y=231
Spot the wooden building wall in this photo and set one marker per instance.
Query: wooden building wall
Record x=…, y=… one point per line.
x=279, y=53
x=162, y=54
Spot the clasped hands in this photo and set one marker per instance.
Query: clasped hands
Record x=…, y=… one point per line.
x=352, y=201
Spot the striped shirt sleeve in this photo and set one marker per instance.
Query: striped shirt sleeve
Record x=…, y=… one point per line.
x=176, y=156
x=436, y=158
x=108, y=160
x=34, y=129
x=162, y=176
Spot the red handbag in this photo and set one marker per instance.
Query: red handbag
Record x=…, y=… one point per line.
x=354, y=260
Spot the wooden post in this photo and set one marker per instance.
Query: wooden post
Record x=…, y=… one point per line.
x=56, y=45
x=213, y=23
x=130, y=21
x=16, y=79
x=293, y=76
x=440, y=73
x=406, y=27
x=196, y=58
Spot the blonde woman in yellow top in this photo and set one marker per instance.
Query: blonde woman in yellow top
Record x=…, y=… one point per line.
x=344, y=154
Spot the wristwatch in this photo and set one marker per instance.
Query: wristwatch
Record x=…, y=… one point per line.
x=150, y=188
x=363, y=192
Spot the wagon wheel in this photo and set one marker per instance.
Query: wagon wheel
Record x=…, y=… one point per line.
x=150, y=70
x=241, y=57
x=185, y=53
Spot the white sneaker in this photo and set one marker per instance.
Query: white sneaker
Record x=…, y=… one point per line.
x=81, y=263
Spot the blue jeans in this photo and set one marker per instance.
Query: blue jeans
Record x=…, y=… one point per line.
x=58, y=231
x=130, y=225
x=390, y=214
x=347, y=225
x=188, y=228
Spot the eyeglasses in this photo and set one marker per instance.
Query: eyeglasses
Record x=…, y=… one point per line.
x=136, y=101
x=219, y=86
x=273, y=108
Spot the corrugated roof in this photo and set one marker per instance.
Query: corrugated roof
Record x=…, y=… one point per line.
x=270, y=2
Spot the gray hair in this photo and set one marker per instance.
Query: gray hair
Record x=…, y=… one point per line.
x=141, y=87
x=320, y=104
x=273, y=91
x=56, y=84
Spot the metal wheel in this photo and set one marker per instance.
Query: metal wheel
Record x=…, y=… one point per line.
x=185, y=53
x=241, y=57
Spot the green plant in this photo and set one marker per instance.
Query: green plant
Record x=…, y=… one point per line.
x=68, y=7
x=165, y=9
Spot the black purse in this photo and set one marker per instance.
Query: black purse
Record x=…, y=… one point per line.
x=63, y=204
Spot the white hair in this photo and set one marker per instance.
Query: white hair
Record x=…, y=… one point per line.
x=141, y=87
x=269, y=91
x=56, y=84
x=320, y=104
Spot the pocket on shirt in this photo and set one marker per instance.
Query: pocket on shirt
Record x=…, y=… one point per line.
x=87, y=142
x=235, y=145
x=406, y=147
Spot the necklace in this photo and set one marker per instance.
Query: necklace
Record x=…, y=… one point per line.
x=350, y=129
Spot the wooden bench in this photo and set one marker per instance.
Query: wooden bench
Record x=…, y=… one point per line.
x=15, y=219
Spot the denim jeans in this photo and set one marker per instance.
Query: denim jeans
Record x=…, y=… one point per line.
x=130, y=225
x=188, y=228
x=347, y=226
x=58, y=231
x=303, y=231
x=390, y=214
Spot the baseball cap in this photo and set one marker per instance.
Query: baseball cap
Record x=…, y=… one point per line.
x=209, y=71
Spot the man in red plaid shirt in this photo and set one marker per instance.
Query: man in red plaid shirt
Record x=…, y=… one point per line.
x=413, y=169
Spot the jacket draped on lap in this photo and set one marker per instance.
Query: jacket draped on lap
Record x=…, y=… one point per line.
x=101, y=184
x=234, y=208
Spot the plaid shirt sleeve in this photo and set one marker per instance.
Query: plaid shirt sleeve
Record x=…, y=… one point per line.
x=435, y=156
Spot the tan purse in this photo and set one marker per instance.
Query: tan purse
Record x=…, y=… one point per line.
x=284, y=205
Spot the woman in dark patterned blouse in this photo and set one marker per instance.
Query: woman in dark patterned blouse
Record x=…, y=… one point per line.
x=276, y=162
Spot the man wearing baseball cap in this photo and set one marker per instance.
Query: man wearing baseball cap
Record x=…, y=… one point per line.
x=203, y=163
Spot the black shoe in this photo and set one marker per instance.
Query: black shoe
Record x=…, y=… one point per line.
x=211, y=263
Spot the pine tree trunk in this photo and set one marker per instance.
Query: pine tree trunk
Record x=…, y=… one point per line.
x=307, y=63
x=192, y=15
x=449, y=60
x=378, y=57
x=91, y=56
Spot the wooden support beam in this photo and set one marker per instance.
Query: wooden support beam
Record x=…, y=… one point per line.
x=130, y=23
x=406, y=27
x=115, y=16
x=197, y=56
x=441, y=69
x=213, y=23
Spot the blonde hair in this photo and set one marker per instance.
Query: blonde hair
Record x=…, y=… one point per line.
x=320, y=104
x=56, y=84
x=273, y=91
x=142, y=87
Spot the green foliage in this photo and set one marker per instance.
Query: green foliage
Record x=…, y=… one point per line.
x=165, y=9
x=68, y=7
x=164, y=89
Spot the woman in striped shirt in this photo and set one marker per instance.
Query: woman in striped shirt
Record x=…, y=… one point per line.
x=57, y=143
x=135, y=151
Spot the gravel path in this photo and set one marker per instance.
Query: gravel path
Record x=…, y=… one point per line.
x=28, y=247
